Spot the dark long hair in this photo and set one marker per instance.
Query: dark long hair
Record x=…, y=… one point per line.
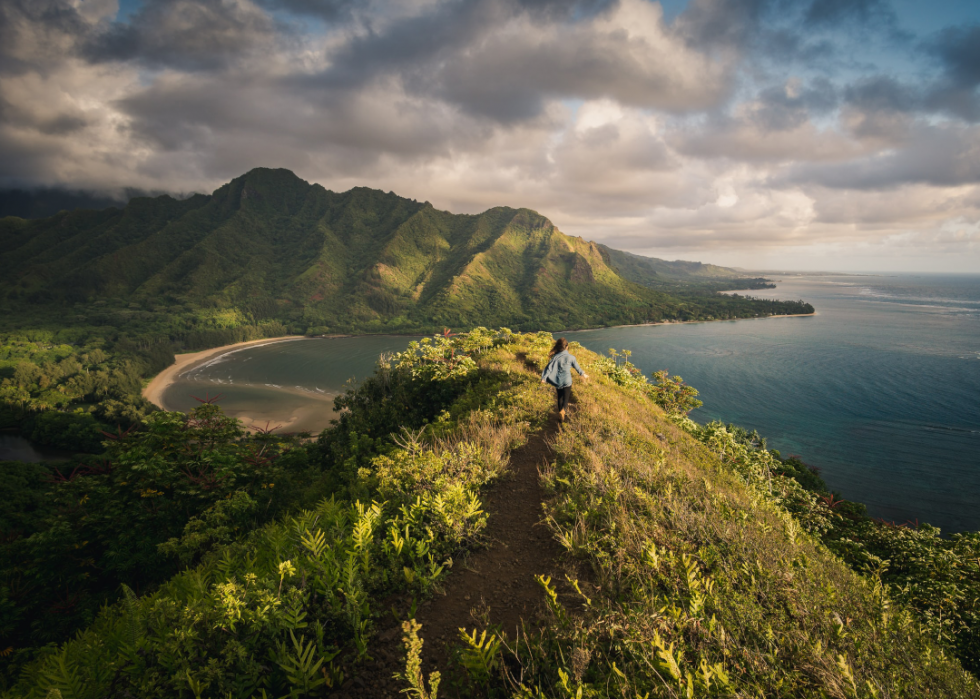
x=561, y=344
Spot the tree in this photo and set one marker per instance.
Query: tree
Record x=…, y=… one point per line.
x=673, y=395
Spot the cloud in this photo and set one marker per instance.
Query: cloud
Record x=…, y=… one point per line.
x=330, y=10
x=824, y=12
x=35, y=35
x=722, y=24
x=882, y=93
x=959, y=50
x=187, y=35
x=941, y=156
x=738, y=126
x=505, y=61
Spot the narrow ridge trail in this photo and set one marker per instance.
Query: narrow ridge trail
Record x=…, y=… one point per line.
x=498, y=583
x=495, y=584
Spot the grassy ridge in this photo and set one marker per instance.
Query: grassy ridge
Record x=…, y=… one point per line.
x=310, y=580
x=697, y=578
x=703, y=583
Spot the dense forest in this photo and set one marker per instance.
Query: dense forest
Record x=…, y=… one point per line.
x=192, y=559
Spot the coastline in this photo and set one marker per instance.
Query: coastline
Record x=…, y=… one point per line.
x=154, y=390
x=685, y=322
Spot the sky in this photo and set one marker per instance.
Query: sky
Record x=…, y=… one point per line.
x=765, y=134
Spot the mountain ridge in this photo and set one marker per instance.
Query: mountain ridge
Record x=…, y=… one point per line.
x=271, y=245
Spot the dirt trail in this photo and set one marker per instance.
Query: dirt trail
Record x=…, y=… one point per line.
x=499, y=581
x=496, y=583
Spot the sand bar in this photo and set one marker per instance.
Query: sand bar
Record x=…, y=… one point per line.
x=185, y=362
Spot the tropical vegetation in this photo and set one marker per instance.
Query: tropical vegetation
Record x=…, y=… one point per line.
x=707, y=564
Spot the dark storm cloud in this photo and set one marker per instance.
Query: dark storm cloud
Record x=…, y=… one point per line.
x=28, y=27
x=408, y=43
x=882, y=93
x=958, y=48
x=722, y=23
x=958, y=51
x=954, y=92
x=183, y=34
x=225, y=128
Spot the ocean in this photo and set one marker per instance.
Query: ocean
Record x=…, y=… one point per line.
x=880, y=390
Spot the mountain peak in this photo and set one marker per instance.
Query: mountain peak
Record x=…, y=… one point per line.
x=270, y=245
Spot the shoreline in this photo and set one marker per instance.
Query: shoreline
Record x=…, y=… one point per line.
x=154, y=390
x=685, y=322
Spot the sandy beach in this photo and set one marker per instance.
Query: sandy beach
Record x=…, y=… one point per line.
x=185, y=362
x=308, y=418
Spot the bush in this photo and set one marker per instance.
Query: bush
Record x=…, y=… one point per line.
x=77, y=432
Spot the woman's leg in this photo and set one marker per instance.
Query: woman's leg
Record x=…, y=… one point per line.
x=564, y=394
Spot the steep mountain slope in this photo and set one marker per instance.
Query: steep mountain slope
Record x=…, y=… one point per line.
x=650, y=271
x=269, y=245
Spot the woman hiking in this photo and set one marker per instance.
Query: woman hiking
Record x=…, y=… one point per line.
x=559, y=374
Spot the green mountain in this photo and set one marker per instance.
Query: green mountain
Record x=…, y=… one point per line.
x=650, y=270
x=269, y=245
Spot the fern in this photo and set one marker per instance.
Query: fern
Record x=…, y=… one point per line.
x=480, y=656
x=301, y=665
x=60, y=676
x=314, y=542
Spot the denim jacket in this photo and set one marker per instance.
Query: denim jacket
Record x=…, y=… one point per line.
x=559, y=370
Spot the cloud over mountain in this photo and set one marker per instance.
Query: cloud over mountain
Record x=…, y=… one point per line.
x=730, y=126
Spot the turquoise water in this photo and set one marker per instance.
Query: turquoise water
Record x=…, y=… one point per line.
x=880, y=390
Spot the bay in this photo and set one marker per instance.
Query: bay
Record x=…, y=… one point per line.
x=289, y=386
x=880, y=390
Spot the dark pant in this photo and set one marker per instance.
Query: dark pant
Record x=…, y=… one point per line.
x=564, y=395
